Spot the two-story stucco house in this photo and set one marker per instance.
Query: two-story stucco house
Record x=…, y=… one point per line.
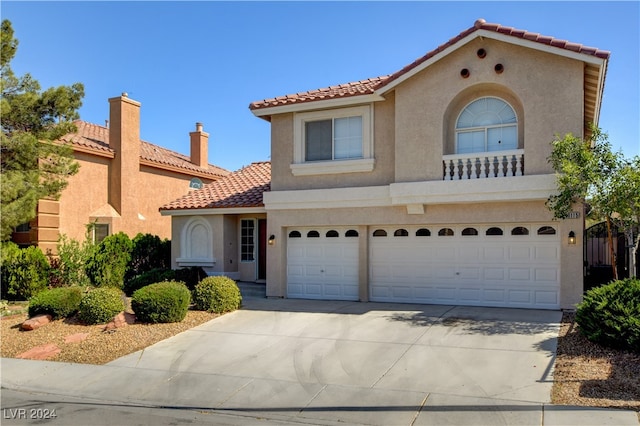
x=424, y=186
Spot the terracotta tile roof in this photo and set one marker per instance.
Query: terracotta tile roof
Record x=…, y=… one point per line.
x=242, y=188
x=369, y=86
x=96, y=137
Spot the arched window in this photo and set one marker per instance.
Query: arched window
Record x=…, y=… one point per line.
x=546, y=230
x=401, y=233
x=423, y=232
x=519, y=230
x=313, y=234
x=295, y=234
x=469, y=231
x=379, y=233
x=486, y=124
x=332, y=234
x=445, y=232
x=494, y=231
x=351, y=233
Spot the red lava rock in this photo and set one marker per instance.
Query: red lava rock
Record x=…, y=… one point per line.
x=41, y=352
x=36, y=322
x=75, y=338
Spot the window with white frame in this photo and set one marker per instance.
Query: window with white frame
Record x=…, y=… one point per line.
x=247, y=240
x=333, y=141
x=485, y=125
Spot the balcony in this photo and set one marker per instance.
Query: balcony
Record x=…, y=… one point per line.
x=483, y=165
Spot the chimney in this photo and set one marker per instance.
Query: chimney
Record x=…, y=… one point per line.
x=124, y=139
x=199, y=147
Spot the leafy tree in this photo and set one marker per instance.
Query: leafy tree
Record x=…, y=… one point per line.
x=34, y=166
x=588, y=171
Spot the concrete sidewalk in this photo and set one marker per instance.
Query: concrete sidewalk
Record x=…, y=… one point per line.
x=315, y=362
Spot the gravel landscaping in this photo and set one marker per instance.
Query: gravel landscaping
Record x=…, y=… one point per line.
x=588, y=374
x=585, y=374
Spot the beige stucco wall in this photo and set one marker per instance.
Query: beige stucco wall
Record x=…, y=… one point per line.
x=383, y=151
x=545, y=90
x=226, y=243
x=88, y=192
x=367, y=219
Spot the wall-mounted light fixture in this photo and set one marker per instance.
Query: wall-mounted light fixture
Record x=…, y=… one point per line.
x=572, y=237
x=272, y=240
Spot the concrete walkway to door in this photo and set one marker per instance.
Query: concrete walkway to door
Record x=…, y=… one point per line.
x=279, y=361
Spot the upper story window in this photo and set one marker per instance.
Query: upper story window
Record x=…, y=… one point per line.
x=333, y=141
x=486, y=124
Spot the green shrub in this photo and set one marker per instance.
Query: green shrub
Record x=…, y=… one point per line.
x=610, y=315
x=60, y=302
x=148, y=277
x=149, y=252
x=100, y=305
x=108, y=263
x=190, y=276
x=161, y=302
x=74, y=257
x=23, y=272
x=217, y=294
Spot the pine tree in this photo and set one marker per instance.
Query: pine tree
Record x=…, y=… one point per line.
x=34, y=164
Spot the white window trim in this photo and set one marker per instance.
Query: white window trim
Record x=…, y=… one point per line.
x=255, y=240
x=300, y=167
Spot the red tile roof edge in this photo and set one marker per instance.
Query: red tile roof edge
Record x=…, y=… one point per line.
x=240, y=189
x=95, y=136
x=379, y=82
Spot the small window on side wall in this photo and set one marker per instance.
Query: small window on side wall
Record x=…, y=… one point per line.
x=100, y=232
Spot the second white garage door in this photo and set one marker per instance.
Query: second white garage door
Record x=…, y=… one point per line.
x=322, y=263
x=506, y=265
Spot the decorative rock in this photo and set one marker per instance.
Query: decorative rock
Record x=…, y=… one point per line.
x=75, y=338
x=120, y=320
x=41, y=352
x=35, y=322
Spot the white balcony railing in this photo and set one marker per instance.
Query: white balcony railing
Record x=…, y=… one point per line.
x=483, y=165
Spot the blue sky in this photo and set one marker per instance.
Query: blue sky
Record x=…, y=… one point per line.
x=207, y=61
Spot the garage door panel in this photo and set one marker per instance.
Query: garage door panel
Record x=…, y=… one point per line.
x=497, y=270
x=322, y=267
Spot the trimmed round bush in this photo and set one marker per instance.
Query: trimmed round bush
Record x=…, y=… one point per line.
x=166, y=301
x=217, y=294
x=100, y=305
x=157, y=275
x=59, y=302
x=610, y=315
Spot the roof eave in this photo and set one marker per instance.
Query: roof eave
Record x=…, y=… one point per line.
x=482, y=33
x=267, y=112
x=212, y=211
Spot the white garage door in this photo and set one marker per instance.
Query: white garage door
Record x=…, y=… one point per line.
x=507, y=265
x=322, y=263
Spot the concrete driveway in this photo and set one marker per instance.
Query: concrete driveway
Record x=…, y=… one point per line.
x=320, y=362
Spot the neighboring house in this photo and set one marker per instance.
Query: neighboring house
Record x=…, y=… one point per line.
x=121, y=183
x=424, y=186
